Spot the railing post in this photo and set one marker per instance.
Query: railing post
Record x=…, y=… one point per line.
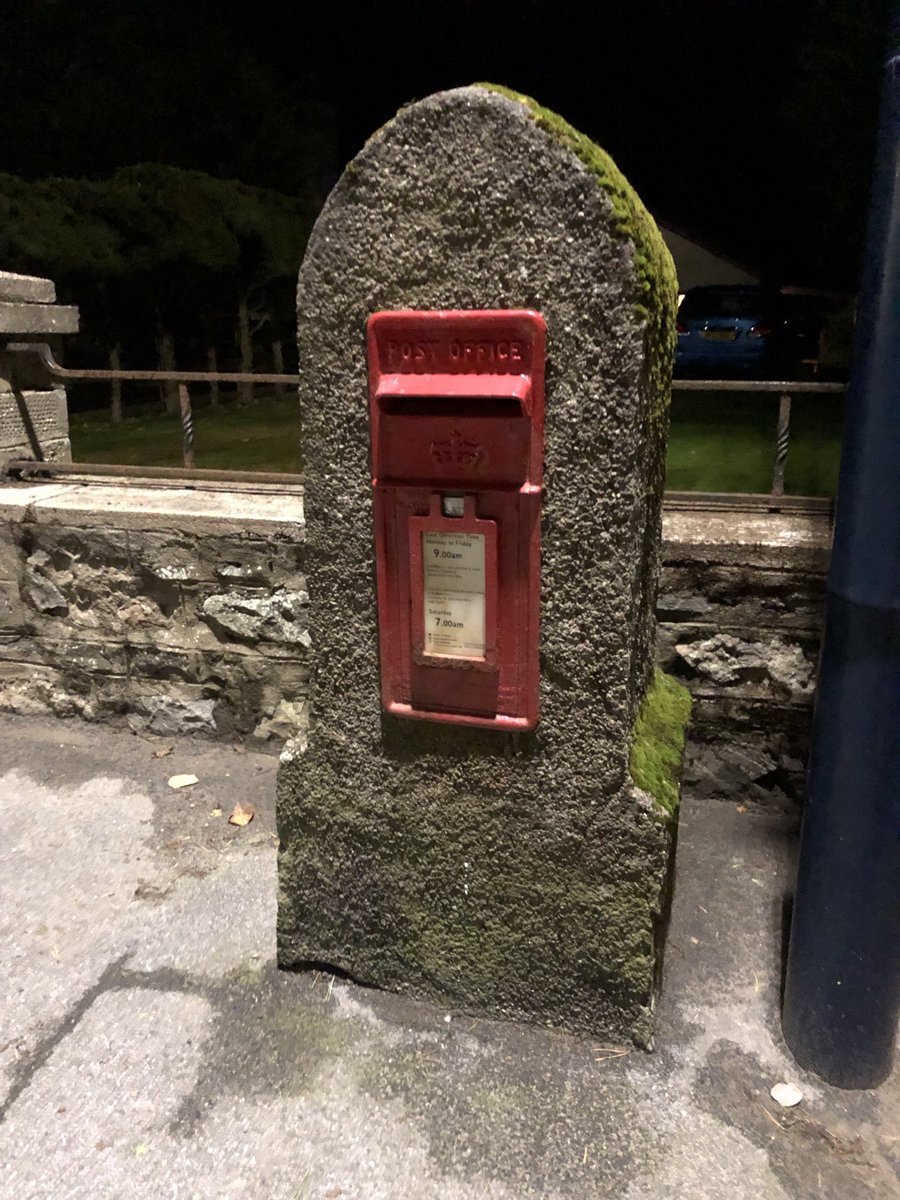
x=213, y=367
x=187, y=425
x=782, y=438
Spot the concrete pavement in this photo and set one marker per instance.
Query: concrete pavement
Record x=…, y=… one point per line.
x=150, y=1049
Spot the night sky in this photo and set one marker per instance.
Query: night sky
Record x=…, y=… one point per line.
x=747, y=124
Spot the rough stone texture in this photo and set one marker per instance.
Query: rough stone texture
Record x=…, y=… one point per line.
x=174, y=715
x=11, y=610
x=511, y=874
x=37, y=318
x=34, y=419
x=724, y=659
x=40, y=589
x=29, y=288
x=102, y=594
x=289, y=720
x=740, y=612
x=754, y=579
x=277, y=617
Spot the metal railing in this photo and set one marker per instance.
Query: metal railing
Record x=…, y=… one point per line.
x=784, y=389
x=182, y=378
x=776, y=498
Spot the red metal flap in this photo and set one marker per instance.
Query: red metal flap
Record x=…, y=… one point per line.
x=502, y=387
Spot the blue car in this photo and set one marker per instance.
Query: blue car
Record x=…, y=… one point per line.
x=731, y=331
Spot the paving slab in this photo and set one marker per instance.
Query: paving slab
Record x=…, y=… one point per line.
x=150, y=1048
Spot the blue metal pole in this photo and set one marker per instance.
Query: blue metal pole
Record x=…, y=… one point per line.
x=842, y=989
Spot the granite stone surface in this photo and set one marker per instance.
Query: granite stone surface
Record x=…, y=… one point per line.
x=27, y=288
x=16, y=317
x=521, y=875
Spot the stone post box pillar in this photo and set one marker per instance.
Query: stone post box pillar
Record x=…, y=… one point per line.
x=518, y=874
x=34, y=418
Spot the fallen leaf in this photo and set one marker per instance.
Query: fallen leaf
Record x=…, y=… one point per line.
x=182, y=781
x=241, y=816
x=162, y=752
x=742, y=808
x=333, y=1193
x=786, y=1094
x=101, y=1145
x=141, y=1149
x=215, y=812
x=239, y=749
x=695, y=941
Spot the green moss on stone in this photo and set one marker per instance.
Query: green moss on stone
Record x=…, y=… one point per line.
x=657, y=299
x=657, y=747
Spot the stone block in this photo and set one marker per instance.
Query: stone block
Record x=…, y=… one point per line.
x=217, y=559
x=41, y=589
x=169, y=557
x=65, y=546
x=521, y=875
x=18, y=646
x=153, y=661
x=71, y=657
x=272, y=563
x=741, y=596
x=30, y=288
x=93, y=596
x=35, y=690
x=39, y=319
x=32, y=419
x=750, y=751
x=12, y=610
x=771, y=666
x=277, y=617
x=58, y=450
x=290, y=718
x=177, y=715
x=91, y=657
x=784, y=541
x=10, y=557
x=197, y=513
x=55, y=451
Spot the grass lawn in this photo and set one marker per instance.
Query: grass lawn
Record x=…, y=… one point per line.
x=718, y=442
x=259, y=437
x=725, y=442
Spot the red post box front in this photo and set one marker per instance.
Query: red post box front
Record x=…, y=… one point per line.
x=457, y=424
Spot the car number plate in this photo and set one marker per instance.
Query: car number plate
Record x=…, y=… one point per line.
x=719, y=335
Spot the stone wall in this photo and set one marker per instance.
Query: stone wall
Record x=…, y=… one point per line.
x=182, y=610
x=179, y=610
x=740, y=616
x=34, y=421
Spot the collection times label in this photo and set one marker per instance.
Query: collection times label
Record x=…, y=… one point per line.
x=453, y=568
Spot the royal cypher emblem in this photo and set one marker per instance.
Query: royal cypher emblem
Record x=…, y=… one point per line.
x=457, y=451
